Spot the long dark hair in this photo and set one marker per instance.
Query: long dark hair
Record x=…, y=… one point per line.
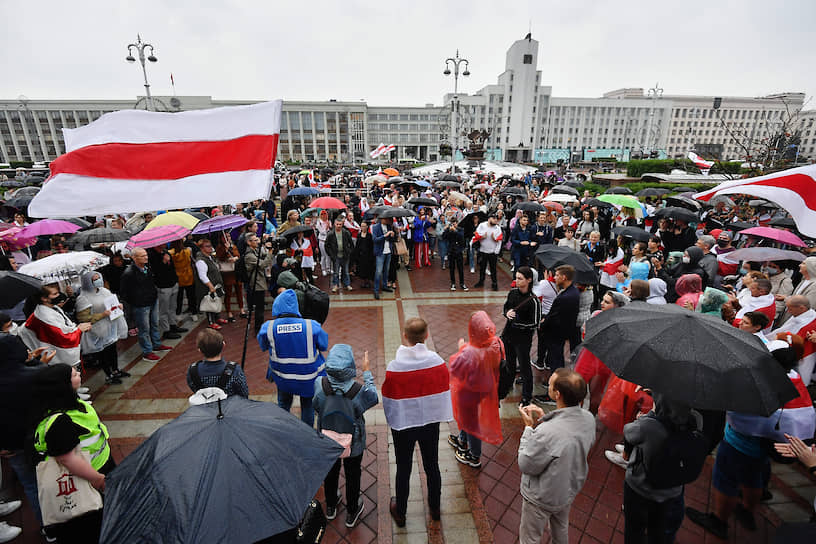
x=52, y=392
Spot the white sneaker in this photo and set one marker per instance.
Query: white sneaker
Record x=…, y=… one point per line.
x=7, y=507
x=487, y=271
x=8, y=532
x=472, y=270
x=83, y=389
x=619, y=448
x=194, y=317
x=453, y=288
x=616, y=458
x=84, y=396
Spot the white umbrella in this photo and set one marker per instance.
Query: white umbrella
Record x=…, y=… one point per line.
x=64, y=266
x=760, y=254
x=453, y=196
x=560, y=197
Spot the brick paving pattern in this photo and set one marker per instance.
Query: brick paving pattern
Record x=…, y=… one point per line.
x=481, y=505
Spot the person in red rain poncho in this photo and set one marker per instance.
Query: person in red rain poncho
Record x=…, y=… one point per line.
x=474, y=372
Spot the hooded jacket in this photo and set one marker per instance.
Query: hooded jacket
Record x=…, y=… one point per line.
x=340, y=372
x=553, y=457
x=295, y=345
x=474, y=378
x=16, y=382
x=657, y=291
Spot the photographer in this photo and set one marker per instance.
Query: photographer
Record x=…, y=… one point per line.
x=257, y=259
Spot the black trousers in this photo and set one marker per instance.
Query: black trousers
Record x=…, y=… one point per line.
x=518, y=350
x=256, y=300
x=650, y=522
x=404, y=442
x=351, y=465
x=189, y=290
x=455, y=260
x=486, y=259
x=107, y=359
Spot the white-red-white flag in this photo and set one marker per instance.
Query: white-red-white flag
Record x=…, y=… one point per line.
x=134, y=160
x=377, y=151
x=699, y=162
x=794, y=190
x=389, y=148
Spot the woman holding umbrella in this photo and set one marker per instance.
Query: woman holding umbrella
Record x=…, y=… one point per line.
x=100, y=341
x=419, y=233
x=323, y=227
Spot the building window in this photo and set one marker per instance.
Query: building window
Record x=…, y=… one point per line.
x=528, y=59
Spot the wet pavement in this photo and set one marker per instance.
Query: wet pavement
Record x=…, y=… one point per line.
x=478, y=505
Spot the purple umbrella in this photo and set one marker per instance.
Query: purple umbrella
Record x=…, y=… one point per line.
x=219, y=222
x=784, y=236
x=47, y=227
x=158, y=236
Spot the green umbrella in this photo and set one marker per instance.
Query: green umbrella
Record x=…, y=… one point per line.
x=625, y=201
x=309, y=211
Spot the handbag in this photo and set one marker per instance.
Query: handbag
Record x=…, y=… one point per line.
x=211, y=303
x=62, y=495
x=401, y=247
x=312, y=526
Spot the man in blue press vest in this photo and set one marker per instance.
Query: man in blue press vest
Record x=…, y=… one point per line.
x=295, y=359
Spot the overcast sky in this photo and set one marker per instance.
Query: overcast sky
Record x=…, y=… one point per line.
x=392, y=53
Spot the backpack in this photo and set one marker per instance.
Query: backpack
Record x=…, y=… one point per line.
x=315, y=303
x=223, y=380
x=241, y=272
x=337, y=420
x=680, y=458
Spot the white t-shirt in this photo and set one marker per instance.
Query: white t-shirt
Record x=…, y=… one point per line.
x=487, y=242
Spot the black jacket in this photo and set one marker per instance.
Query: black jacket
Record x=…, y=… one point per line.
x=528, y=316
x=455, y=239
x=331, y=244
x=163, y=274
x=16, y=382
x=560, y=322
x=678, y=242
x=137, y=288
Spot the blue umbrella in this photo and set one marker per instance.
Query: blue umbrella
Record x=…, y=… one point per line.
x=303, y=191
x=237, y=471
x=422, y=183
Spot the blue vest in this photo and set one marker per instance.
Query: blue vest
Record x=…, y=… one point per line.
x=294, y=355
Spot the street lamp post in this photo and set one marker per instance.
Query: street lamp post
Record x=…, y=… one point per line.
x=140, y=47
x=654, y=93
x=456, y=62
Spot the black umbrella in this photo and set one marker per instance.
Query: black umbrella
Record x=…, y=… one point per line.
x=374, y=211
x=469, y=217
x=565, y=190
x=347, y=171
x=12, y=183
x=673, y=212
x=760, y=203
x=202, y=216
x=517, y=191
x=599, y=203
x=552, y=256
x=203, y=478
x=19, y=202
x=632, y=232
x=25, y=191
x=397, y=212
x=15, y=287
x=449, y=177
x=574, y=183
x=99, y=235
x=449, y=184
x=786, y=222
x=689, y=357
x=619, y=191
x=297, y=229
x=78, y=221
x=531, y=206
x=652, y=191
x=684, y=202
x=423, y=201
x=740, y=225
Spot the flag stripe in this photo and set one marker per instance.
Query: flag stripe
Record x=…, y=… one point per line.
x=426, y=381
x=169, y=160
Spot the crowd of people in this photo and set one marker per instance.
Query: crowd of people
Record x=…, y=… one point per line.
x=616, y=256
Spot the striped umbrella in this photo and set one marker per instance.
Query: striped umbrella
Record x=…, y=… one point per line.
x=158, y=236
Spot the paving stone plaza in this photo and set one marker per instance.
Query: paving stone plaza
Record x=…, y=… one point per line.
x=478, y=505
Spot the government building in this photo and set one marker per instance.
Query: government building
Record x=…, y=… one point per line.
x=526, y=123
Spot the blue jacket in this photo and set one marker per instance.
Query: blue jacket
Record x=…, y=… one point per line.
x=521, y=235
x=420, y=229
x=294, y=346
x=340, y=370
x=378, y=238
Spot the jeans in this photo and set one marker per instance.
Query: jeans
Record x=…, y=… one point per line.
x=404, y=443
x=382, y=264
x=353, y=472
x=168, y=298
x=147, y=321
x=443, y=249
x=519, y=350
x=340, y=265
x=649, y=521
x=28, y=478
x=471, y=256
x=474, y=444
x=306, y=408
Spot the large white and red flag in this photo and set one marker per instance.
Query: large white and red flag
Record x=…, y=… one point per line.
x=389, y=149
x=134, y=160
x=794, y=190
x=700, y=162
x=377, y=151
x=416, y=390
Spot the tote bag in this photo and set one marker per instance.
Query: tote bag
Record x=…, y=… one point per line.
x=62, y=495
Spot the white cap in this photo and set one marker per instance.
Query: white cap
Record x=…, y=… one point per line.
x=206, y=396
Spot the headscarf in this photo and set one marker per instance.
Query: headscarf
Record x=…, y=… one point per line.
x=810, y=266
x=712, y=301
x=474, y=376
x=689, y=287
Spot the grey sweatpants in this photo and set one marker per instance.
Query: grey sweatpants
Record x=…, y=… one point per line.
x=534, y=522
x=168, y=298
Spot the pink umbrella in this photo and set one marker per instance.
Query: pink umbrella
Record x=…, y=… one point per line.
x=11, y=239
x=784, y=236
x=48, y=226
x=158, y=236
